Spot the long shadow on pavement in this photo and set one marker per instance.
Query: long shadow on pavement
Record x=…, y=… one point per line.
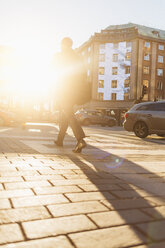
x=97, y=165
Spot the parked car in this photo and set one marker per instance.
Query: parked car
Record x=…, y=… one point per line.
x=87, y=117
x=146, y=118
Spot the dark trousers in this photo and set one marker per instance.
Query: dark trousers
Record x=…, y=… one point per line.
x=67, y=118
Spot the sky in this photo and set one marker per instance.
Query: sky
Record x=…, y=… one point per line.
x=41, y=24
x=34, y=28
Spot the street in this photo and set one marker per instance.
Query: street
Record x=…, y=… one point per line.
x=111, y=195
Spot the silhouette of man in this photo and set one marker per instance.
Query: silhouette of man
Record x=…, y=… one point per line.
x=68, y=67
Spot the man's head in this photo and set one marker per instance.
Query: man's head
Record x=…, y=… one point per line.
x=66, y=43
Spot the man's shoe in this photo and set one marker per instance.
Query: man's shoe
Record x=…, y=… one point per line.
x=80, y=145
x=58, y=143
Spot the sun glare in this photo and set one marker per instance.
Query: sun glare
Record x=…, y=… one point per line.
x=30, y=76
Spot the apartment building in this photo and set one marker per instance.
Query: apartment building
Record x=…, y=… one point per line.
x=125, y=63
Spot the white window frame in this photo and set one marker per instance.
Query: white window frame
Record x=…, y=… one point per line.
x=147, y=56
x=146, y=70
x=160, y=58
x=147, y=44
x=160, y=72
x=161, y=47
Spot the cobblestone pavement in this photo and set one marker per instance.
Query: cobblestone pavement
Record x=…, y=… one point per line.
x=111, y=195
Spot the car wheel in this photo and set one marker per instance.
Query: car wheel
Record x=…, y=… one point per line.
x=141, y=129
x=111, y=123
x=86, y=122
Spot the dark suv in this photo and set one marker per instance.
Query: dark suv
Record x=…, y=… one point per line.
x=146, y=118
x=87, y=117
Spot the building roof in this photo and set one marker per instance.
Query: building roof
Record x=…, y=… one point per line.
x=142, y=30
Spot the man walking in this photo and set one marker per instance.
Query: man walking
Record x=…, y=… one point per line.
x=68, y=68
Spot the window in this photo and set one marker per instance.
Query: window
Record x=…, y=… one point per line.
x=153, y=107
x=128, y=56
x=127, y=69
x=89, y=60
x=83, y=53
x=101, y=57
x=146, y=70
x=100, y=96
x=88, y=73
x=160, y=58
x=89, y=49
x=128, y=44
x=115, y=58
x=101, y=70
x=161, y=47
x=147, y=44
x=101, y=83
x=114, y=70
x=113, y=96
x=160, y=72
x=102, y=46
x=146, y=107
x=115, y=45
x=159, y=85
x=126, y=83
x=114, y=84
x=126, y=96
x=147, y=56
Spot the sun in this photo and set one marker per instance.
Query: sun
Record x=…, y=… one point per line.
x=31, y=74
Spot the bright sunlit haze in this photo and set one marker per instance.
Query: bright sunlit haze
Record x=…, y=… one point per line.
x=34, y=29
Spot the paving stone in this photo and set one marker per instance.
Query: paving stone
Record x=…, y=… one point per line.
x=70, y=182
x=81, y=176
x=15, y=193
x=128, y=203
x=88, y=196
x=19, y=173
x=4, y=204
x=56, y=242
x=57, y=226
x=113, y=218
x=159, y=201
x=106, y=181
x=155, y=230
x=51, y=171
x=25, y=185
x=127, y=194
x=43, y=177
x=57, y=189
x=23, y=214
x=10, y=233
x=156, y=212
x=10, y=179
x=115, y=237
x=101, y=187
x=76, y=208
x=38, y=200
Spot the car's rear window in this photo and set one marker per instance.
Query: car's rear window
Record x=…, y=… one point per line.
x=152, y=107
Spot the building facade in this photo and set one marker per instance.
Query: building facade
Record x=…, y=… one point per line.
x=125, y=64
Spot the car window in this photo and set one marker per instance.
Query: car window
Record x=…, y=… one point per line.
x=152, y=107
x=160, y=107
x=147, y=107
